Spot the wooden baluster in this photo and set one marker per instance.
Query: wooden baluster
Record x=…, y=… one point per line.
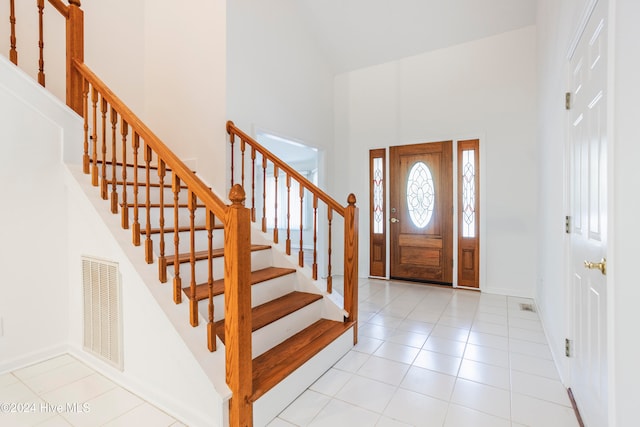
x=162, y=260
x=13, y=51
x=114, y=161
x=211, y=328
x=242, y=150
x=329, y=276
x=124, y=130
x=288, y=244
x=177, y=280
x=275, y=208
x=351, y=264
x=135, y=230
x=253, y=184
x=103, y=183
x=264, y=194
x=301, y=253
x=237, y=313
x=193, y=302
x=75, y=51
x=148, y=243
x=315, y=238
x=232, y=140
x=41, y=78
x=85, y=110
x=94, y=136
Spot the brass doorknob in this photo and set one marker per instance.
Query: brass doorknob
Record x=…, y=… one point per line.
x=602, y=265
x=394, y=220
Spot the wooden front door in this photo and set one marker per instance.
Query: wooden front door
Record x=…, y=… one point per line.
x=588, y=225
x=421, y=212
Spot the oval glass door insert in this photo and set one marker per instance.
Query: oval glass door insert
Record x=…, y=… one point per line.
x=420, y=194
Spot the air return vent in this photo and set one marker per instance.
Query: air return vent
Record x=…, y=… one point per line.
x=102, y=310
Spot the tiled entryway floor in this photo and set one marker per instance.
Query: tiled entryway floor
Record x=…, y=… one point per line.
x=427, y=356
x=436, y=356
x=65, y=392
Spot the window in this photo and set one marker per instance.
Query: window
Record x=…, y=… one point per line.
x=420, y=194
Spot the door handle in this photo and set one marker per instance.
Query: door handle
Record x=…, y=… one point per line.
x=394, y=220
x=602, y=266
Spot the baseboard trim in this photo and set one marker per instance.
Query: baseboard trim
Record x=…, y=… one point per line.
x=575, y=407
x=159, y=400
x=33, y=357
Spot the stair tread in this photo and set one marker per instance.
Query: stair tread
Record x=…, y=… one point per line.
x=258, y=276
x=273, y=310
x=280, y=361
x=216, y=253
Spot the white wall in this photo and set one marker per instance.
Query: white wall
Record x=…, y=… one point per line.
x=34, y=301
x=483, y=89
x=166, y=61
x=625, y=292
x=185, y=81
x=161, y=351
x=277, y=80
x=51, y=225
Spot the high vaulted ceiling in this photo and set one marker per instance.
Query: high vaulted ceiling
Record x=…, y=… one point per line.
x=360, y=33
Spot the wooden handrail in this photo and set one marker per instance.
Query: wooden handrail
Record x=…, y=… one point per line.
x=332, y=203
x=186, y=175
x=62, y=8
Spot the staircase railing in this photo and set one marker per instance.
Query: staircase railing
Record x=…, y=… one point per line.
x=114, y=137
x=254, y=161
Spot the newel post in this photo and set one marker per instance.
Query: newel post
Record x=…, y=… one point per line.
x=351, y=263
x=237, y=308
x=75, y=51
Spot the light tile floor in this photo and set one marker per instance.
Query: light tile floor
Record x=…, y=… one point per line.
x=426, y=356
x=436, y=356
x=65, y=392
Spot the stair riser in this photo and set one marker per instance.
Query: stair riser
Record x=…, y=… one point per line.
x=277, y=332
x=259, y=260
x=278, y=398
x=271, y=289
x=260, y=293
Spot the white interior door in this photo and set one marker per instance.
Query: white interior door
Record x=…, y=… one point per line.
x=588, y=200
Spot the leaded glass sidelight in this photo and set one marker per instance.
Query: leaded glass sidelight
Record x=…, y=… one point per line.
x=377, y=183
x=420, y=194
x=468, y=168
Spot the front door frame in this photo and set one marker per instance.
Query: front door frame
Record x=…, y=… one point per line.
x=481, y=137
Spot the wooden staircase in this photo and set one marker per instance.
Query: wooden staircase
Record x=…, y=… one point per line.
x=273, y=314
x=277, y=301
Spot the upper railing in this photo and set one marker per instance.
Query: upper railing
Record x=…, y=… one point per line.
x=125, y=158
x=269, y=177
